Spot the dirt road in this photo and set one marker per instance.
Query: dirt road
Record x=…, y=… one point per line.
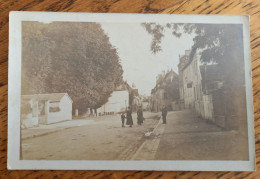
x=187, y=137
x=103, y=139
x=184, y=137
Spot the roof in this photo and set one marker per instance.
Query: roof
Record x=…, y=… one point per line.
x=170, y=72
x=190, y=57
x=160, y=83
x=51, y=96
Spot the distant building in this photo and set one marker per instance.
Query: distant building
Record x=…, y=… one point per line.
x=134, y=99
x=145, y=103
x=123, y=97
x=45, y=109
x=166, y=92
x=145, y=106
x=117, y=102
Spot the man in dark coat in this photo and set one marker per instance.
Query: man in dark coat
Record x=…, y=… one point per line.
x=164, y=114
x=123, y=119
x=140, y=115
x=129, y=119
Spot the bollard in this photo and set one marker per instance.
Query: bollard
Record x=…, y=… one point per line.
x=76, y=112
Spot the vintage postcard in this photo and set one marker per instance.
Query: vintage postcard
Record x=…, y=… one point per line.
x=130, y=92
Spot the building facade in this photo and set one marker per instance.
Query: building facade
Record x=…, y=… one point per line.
x=123, y=97
x=166, y=92
x=202, y=88
x=117, y=102
x=45, y=109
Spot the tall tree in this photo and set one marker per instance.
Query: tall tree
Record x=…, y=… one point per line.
x=221, y=44
x=77, y=58
x=216, y=42
x=36, y=58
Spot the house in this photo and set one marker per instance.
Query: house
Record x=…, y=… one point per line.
x=117, y=102
x=121, y=98
x=189, y=80
x=45, y=108
x=166, y=91
x=145, y=102
x=193, y=89
x=135, y=100
x=202, y=88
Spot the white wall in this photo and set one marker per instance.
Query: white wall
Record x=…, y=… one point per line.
x=30, y=119
x=65, y=112
x=193, y=97
x=208, y=107
x=117, y=102
x=192, y=74
x=189, y=75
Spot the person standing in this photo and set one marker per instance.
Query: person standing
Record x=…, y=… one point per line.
x=140, y=115
x=164, y=114
x=129, y=119
x=123, y=119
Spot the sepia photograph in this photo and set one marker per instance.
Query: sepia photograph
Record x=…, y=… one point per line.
x=144, y=90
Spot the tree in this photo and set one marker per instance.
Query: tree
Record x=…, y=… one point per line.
x=72, y=57
x=220, y=44
x=36, y=58
x=217, y=42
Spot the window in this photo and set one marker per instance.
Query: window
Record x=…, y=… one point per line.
x=189, y=85
x=54, y=106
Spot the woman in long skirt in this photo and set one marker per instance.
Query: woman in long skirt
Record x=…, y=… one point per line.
x=140, y=116
x=129, y=119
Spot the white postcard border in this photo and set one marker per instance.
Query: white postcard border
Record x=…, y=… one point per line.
x=14, y=92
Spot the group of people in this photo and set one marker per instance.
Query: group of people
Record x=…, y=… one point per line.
x=129, y=118
x=140, y=117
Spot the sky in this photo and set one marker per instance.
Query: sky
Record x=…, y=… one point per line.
x=140, y=65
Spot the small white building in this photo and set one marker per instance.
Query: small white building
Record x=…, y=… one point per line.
x=117, y=102
x=45, y=109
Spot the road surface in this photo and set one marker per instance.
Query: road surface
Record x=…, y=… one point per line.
x=184, y=137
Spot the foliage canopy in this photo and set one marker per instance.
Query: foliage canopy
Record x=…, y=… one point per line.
x=71, y=57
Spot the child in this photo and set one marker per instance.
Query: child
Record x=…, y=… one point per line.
x=123, y=119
